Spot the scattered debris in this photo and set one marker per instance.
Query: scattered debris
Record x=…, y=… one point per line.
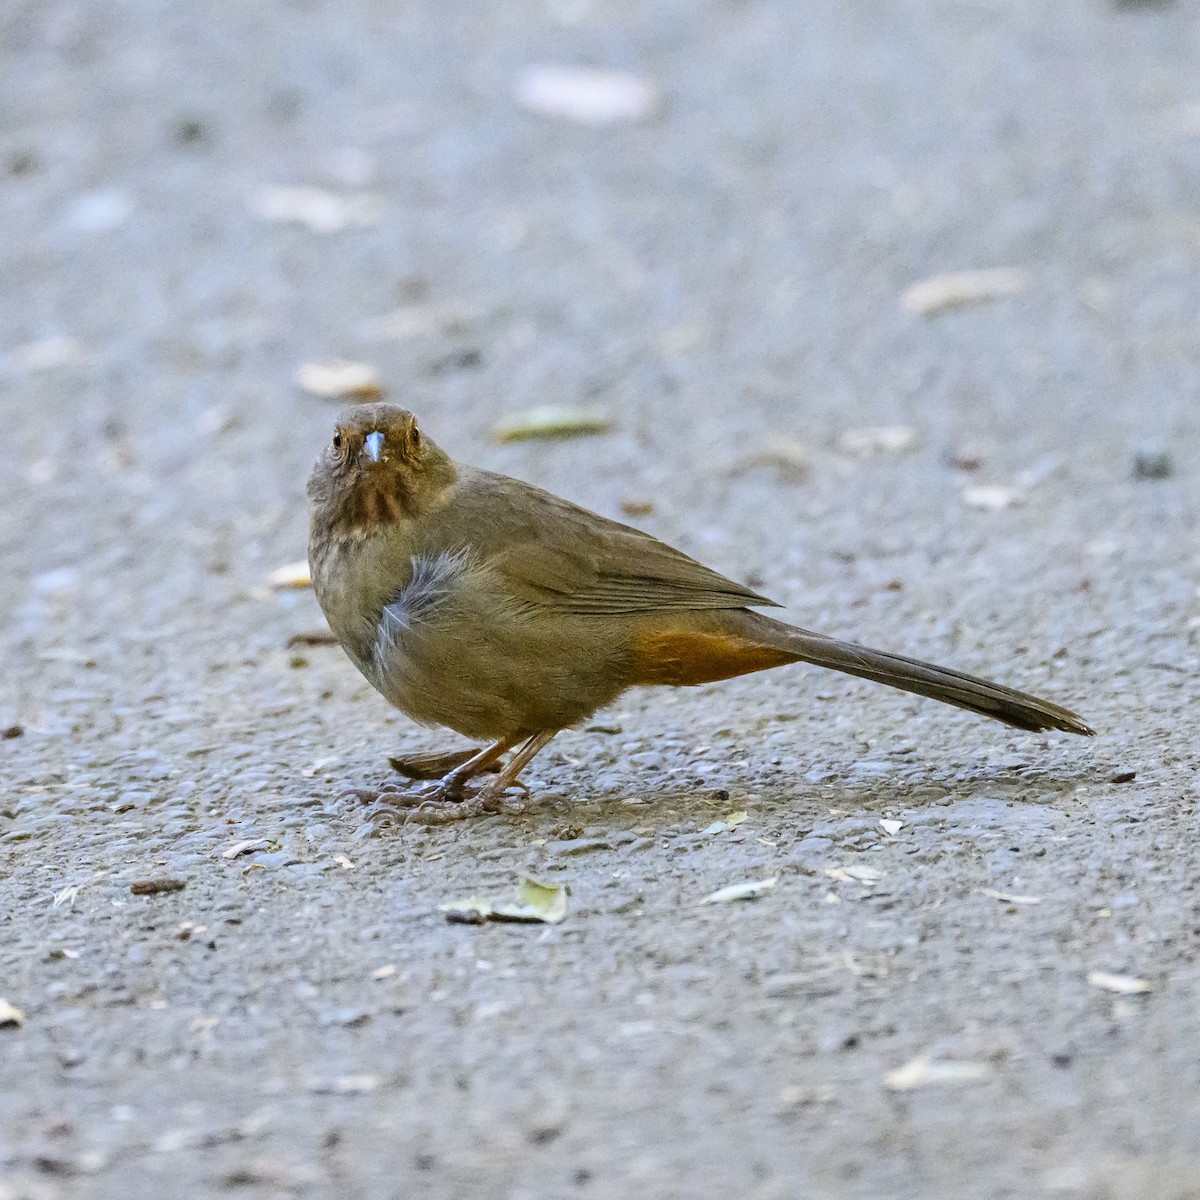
x=890, y=827
x=536, y=901
x=347, y=1085
x=790, y=458
x=922, y=1071
x=318, y=209
x=1123, y=777
x=240, y=848
x=320, y=637
x=10, y=1017
x=586, y=95
x=1153, y=462
x=66, y=896
x=729, y=821
x=859, y=872
x=343, y=862
x=11, y=732
x=957, y=288
x=1009, y=898
x=874, y=440
x=552, y=421
x=340, y=380
x=1122, y=985
x=417, y=320
x=385, y=972
x=46, y=354
x=100, y=211
x=741, y=891
x=294, y=575
x=993, y=497
x=156, y=887
x=638, y=507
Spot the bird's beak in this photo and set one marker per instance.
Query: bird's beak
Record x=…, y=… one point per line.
x=373, y=446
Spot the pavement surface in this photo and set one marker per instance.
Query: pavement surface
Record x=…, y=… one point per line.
x=723, y=276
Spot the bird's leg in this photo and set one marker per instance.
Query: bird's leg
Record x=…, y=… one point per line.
x=489, y=798
x=495, y=788
x=434, y=764
x=445, y=792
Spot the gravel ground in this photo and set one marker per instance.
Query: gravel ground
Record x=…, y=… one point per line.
x=724, y=278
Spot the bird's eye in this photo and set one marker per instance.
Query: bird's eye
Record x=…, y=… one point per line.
x=416, y=438
x=337, y=439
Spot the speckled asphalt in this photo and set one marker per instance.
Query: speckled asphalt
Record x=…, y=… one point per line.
x=724, y=279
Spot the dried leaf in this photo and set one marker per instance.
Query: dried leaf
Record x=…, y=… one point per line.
x=318, y=209
x=1008, y=898
x=890, y=827
x=586, y=95
x=993, y=496
x=536, y=901
x=923, y=1071
x=340, y=380
x=957, y=288
x=417, y=320
x=10, y=1017
x=552, y=421
x=294, y=575
x=1122, y=985
x=385, y=972
x=859, y=872
x=239, y=848
x=877, y=439
x=729, y=821
x=741, y=891
x=66, y=896
x=343, y=862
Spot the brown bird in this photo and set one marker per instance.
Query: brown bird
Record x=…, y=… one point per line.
x=478, y=602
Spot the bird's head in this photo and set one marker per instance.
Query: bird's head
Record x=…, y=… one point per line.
x=376, y=469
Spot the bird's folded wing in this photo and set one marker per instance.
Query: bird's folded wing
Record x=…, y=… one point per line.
x=574, y=561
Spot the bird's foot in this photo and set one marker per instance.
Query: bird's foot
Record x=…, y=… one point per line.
x=438, y=803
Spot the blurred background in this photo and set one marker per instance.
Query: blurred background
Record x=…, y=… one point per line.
x=887, y=309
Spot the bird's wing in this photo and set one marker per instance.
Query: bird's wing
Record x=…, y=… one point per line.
x=557, y=555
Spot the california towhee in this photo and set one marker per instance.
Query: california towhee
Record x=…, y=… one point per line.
x=476, y=601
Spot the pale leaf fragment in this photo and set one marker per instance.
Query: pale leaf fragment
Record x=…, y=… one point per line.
x=890, y=827
x=10, y=1017
x=46, y=354
x=957, y=288
x=340, y=380
x=535, y=902
x=922, y=1071
x=317, y=209
x=240, y=848
x=552, y=421
x=293, y=575
x=993, y=497
x=343, y=862
x=750, y=890
x=873, y=440
x=1009, y=898
x=585, y=95
x=1122, y=985
x=789, y=457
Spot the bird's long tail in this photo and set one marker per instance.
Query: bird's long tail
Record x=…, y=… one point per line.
x=941, y=683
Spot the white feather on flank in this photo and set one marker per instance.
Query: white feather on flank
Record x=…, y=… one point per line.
x=432, y=581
